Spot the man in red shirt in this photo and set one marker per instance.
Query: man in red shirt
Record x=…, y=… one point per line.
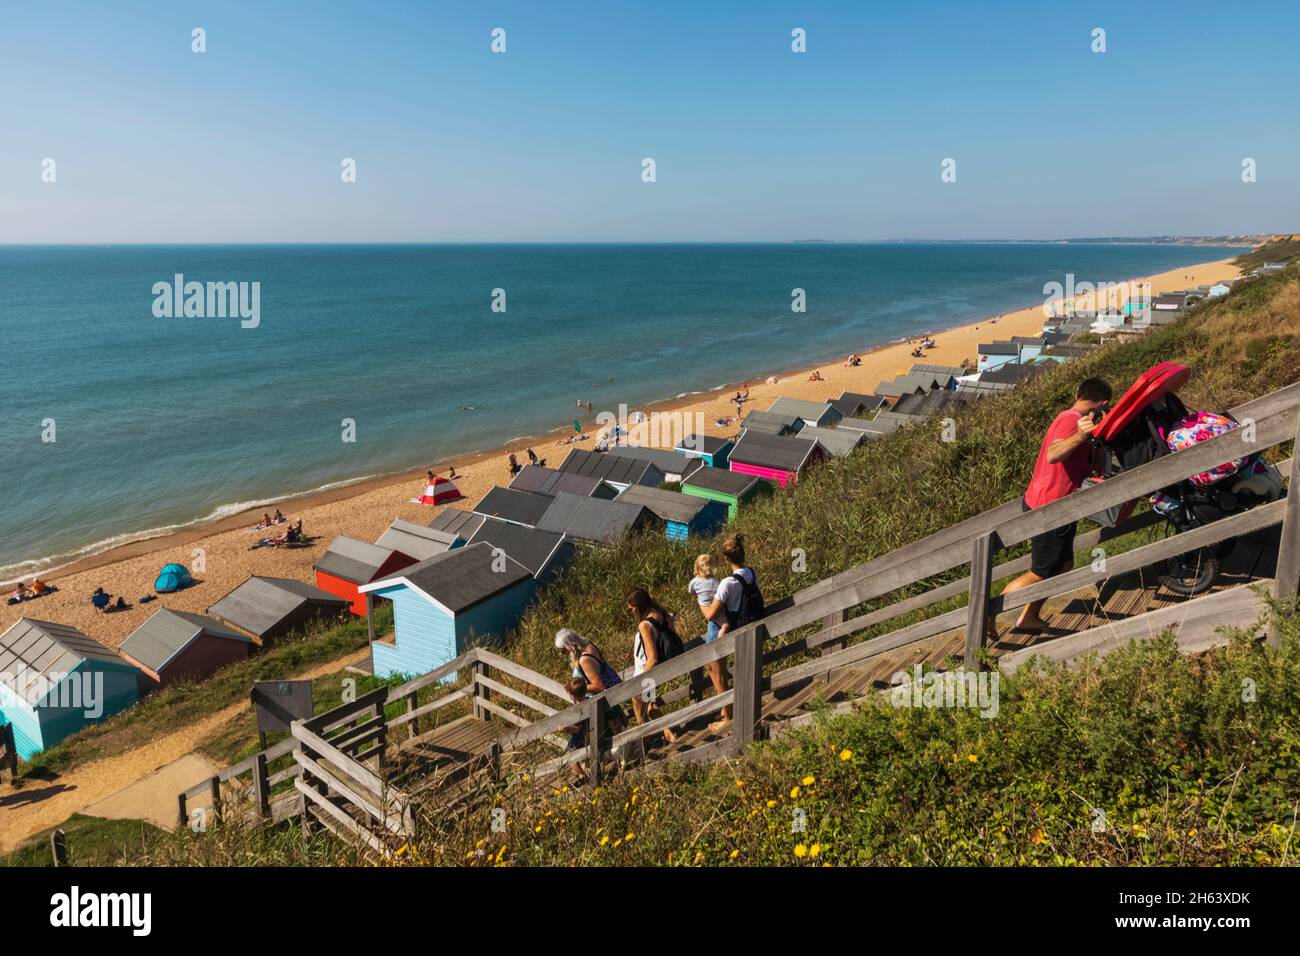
x=1064, y=461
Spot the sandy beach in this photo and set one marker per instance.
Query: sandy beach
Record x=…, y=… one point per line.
x=365, y=509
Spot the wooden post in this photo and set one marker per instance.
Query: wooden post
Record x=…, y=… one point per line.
x=480, y=692
x=370, y=630
x=596, y=720
x=492, y=761
x=829, y=621
x=261, y=786
x=1286, y=579
x=747, y=708
x=215, y=786
x=182, y=812
x=977, y=610
x=412, y=702
x=59, y=847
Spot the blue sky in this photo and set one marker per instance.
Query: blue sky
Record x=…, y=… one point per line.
x=243, y=143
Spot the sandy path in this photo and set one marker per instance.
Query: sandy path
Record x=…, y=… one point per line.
x=80, y=787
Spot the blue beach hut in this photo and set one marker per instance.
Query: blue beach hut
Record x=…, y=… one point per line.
x=446, y=604
x=58, y=681
x=682, y=515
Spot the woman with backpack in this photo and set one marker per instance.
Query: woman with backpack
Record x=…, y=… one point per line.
x=737, y=602
x=655, y=641
x=588, y=662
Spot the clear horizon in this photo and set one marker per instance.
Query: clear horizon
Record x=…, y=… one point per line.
x=244, y=143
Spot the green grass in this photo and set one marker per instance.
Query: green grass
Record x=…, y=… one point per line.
x=1279, y=250
x=90, y=841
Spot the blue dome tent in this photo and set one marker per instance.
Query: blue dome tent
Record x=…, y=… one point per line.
x=173, y=577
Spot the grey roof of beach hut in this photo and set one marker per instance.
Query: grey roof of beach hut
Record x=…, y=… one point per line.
x=998, y=348
x=611, y=468
x=900, y=385
x=1014, y=374
x=31, y=650
x=772, y=423
x=736, y=483
x=809, y=412
x=544, y=553
x=550, y=481
x=453, y=521
x=665, y=504
x=781, y=452
x=703, y=444
x=838, y=442
x=928, y=404
x=461, y=578
x=509, y=504
x=593, y=519
x=264, y=606
x=417, y=541
x=668, y=462
x=952, y=371
x=855, y=404
x=163, y=636
x=353, y=560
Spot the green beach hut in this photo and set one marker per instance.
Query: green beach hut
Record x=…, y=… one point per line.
x=732, y=488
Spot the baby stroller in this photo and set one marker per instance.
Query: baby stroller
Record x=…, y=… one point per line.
x=1150, y=421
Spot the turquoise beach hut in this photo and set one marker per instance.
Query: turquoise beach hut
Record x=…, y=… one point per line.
x=443, y=606
x=58, y=681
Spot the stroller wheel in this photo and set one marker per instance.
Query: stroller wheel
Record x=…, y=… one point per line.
x=1191, y=573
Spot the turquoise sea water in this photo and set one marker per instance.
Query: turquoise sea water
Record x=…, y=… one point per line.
x=159, y=422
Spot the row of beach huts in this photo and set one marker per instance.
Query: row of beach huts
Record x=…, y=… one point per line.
x=468, y=575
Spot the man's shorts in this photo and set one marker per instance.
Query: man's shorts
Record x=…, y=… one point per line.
x=1051, y=551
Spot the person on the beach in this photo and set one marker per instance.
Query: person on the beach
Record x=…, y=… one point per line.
x=21, y=593
x=651, y=618
x=429, y=476
x=100, y=598
x=1064, y=461
x=532, y=457
x=279, y=518
x=452, y=474
x=515, y=467
x=704, y=586
x=39, y=587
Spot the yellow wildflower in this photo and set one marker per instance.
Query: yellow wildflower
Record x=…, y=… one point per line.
x=809, y=780
x=846, y=754
x=801, y=851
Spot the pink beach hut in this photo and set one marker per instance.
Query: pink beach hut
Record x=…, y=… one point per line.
x=440, y=491
x=778, y=458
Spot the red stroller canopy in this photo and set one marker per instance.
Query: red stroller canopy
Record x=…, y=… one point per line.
x=1153, y=384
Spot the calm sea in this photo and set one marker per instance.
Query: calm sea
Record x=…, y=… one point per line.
x=160, y=422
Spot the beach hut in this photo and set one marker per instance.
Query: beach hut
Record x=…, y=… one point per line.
x=173, y=577
x=616, y=471
x=418, y=541
x=268, y=608
x=1218, y=290
x=444, y=605
x=894, y=389
x=594, y=519
x=928, y=404
x=440, y=491
x=815, y=414
x=709, y=449
x=838, y=442
x=544, y=553
x=517, y=507
x=771, y=424
x=57, y=681
x=550, y=481
x=993, y=355
x=348, y=563
x=683, y=515
x=856, y=404
x=459, y=524
x=730, y=488
x=777, y=458
x=669, y=463
x=173, y=645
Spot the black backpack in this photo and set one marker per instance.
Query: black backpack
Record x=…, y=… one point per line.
x=668, y=644
x=751, y=602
